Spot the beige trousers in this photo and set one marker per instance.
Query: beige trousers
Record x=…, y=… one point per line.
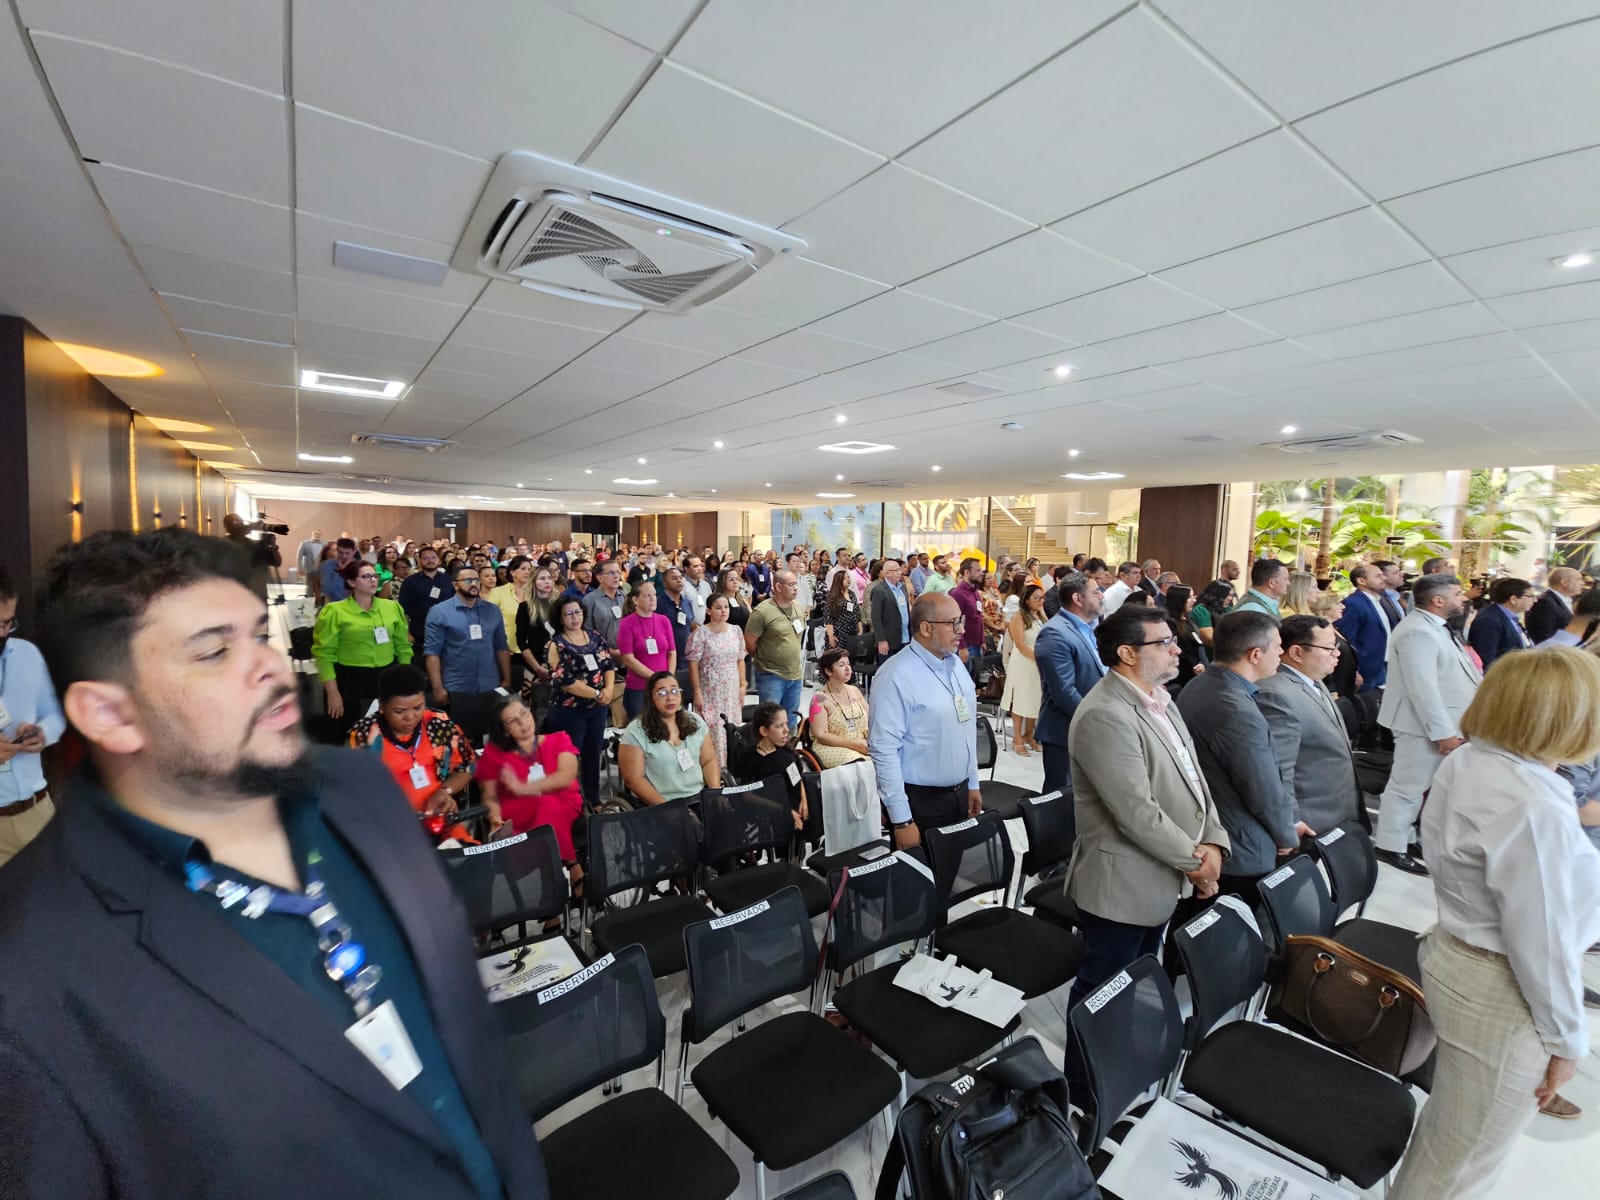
x=16, y=832
x=1490, y=1060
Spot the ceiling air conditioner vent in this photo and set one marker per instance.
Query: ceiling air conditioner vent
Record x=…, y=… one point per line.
x=568, y=232
x=876, y=484
x=1366, y=440
x=393, y=441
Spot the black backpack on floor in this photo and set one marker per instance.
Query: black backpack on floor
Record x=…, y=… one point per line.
x=999, y=1130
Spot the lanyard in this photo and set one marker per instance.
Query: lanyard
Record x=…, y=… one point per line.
x=942, y=680
x=343, y=958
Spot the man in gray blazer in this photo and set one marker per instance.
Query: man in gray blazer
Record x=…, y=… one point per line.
x=1431, y=682
x=1148, y=831
x=1308, y=734
x=1235, y=749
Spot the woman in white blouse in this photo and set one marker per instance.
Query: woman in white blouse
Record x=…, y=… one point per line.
x=1518, y=886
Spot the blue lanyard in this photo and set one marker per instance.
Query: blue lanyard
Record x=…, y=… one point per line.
x=343, y=958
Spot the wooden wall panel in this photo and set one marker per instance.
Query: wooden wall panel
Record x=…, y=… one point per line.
x=336, y=518
x=1180, y=526
x=689, y=530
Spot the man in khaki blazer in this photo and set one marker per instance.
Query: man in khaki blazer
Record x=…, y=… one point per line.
x=1148, y=831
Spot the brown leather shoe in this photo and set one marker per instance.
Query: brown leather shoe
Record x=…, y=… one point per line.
x=1559, y=1106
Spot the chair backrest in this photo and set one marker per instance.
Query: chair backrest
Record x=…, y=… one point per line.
x=1296, y=900
x=750, y=817
x=1049, y=825
x=1348, y=855
x=745, y=959
x=1225, y=962
x=988, y=744
x=885, y=903
x=1129, y=1033
x=509, y=881
x=584, y=1030
x=969, y=858
x=863, y=649
x=639, y=847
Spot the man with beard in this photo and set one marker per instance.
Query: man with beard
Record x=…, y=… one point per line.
x=467, y=655
x=224, y=931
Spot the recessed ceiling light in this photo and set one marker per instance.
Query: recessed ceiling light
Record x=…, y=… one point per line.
x=713, y=491
x=173, y=425
x=1581, y=259
x=97, y=361
x=839, y=418
x=1061, y=370
x=1088, y=512
x=835, y=495
x=1290, y=429
x=328, y=458
x=352, y=385
x=519, y=485
x=663, y=231
x=935, y=467
x=1011, y=426
x=839, y=478
x=1073, y=453
x=588, y=470
x=630, y=508
x=856, y=447
x=637, y=482
x=767, y=485
x=1093, y=475
x=672, y=495
x=716, y=445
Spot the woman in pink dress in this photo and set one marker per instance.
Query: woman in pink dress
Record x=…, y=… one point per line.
x=716, y=672
x=531, y=779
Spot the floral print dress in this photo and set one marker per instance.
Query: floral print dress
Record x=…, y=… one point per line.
x=718, y=655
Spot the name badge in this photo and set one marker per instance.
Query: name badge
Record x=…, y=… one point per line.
x=5, y=715
x=799, y=625
x=590, y=663
x=685, y=759
x=850, y=724
x=382, y=1037
x=535, y=773
x=380, y=634
x=616, y=611
x=962, y=712
x=475, y=632
x=682, y=620
x=650, y=646
x=549, y=628
x=419, y=776
x=793, y=774
x=433, y=593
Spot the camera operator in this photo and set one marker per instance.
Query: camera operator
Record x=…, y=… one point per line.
x=263, y=552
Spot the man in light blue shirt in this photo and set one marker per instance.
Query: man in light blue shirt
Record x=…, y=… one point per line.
x=923, y=726
x=919, y=572
x=467, y=655
x=30, y=720
x=333, y=585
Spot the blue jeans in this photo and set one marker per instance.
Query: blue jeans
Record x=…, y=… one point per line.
x=778, y=690
x=586, y=726
x=633, y=702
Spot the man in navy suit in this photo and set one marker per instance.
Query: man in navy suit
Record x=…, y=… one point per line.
x=1498, y=628
x=1365, y=624
x=1069, y=665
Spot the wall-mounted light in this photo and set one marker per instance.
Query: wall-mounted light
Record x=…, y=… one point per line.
x=76, y=506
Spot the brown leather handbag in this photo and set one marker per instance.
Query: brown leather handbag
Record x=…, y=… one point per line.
x=1370, y=1011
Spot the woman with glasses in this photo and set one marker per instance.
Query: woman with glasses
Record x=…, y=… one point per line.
x=665, y=753
x=583, y=682
x=645, y=645
x=354, y=640
x=716, y=672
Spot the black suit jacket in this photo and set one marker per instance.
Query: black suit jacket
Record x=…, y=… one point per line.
x=1548, y=615
x=148, y=1052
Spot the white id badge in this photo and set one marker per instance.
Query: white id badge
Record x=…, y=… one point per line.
x=475, y=632
x=799, y=625
x=685, y=759
x=650, y=646
x=793, y=773
x=962, y=712
x=682, y=620
x=419, y=776
x=590, y=662
x=380, y=634
x=616, y=611
x=382, y=1037
x=535, y=772
x=549, y=628
x=5, y=715
x=433, y=593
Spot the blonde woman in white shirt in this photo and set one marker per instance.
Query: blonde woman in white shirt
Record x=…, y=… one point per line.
x=1518, y=886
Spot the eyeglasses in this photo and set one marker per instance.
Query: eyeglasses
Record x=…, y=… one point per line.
x=1334, y=649
x=365, y=576
x=1169, y=640
x=665, y=693
x=956, y=623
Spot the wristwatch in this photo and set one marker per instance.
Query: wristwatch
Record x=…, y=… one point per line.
x=901, y=824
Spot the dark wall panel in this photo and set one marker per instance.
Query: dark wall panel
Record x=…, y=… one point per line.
x=1180, y=526
x=336, y=518
x=688, y=530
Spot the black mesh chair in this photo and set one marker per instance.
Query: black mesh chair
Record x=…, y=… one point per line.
x=825, y=863
x=639, y=849
x=885, y=904
x=794, y=1085
x=1295, y=901
x=833, y=1186
x=589, y=1030
x=1000, y=798
x=1332, y=1110
x=863, y=660
x=1130, y=1035
x=752, y=819
x=513, y=881
x=1048, y=821
x=1348, y=856
x=973, y=857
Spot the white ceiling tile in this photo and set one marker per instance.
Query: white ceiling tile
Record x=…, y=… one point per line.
x=1523, y=101
x=518, y=369
x=1554, y=339
x=314, y=241
x=1202, y=397
x=1273, y=357
x=1263, y=187
x=652, y=25
x=740, y=377
x=517, y=76
x=1302, y=57
x=1443, y=381
x=781, y=168
x=594, y=384
x=895, y=225
x=793, y=57
x=233, y=322
x=1551, y=306
x=522, y=335
x=376, y=308
x=268, y=361
x=355, y=173
x=793, y=291
x=1358, y=243
x=241, y=40
x=993, y=345
x=1516, y=203
x=178, y=216
x=216, y=281
x=1026, y=273
x=1413, y=329
x=803, y=350
x=518, y=301
x=1289, y=380
x=316, y=337
x=898, y=320
x=131, y=112
x=885, y=375
x=1461, y=352
x=438, y=380
x=1118, y=109
x=1189, y=339
x=1126, y=308
x=654, y=359
x=1527, y=265
x=710, y=330
x=1388, y=294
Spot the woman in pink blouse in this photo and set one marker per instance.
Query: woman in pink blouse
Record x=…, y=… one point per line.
x=645, y=645
x=529, y=778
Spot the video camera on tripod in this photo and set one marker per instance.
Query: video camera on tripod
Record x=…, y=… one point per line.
x=267, y=528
